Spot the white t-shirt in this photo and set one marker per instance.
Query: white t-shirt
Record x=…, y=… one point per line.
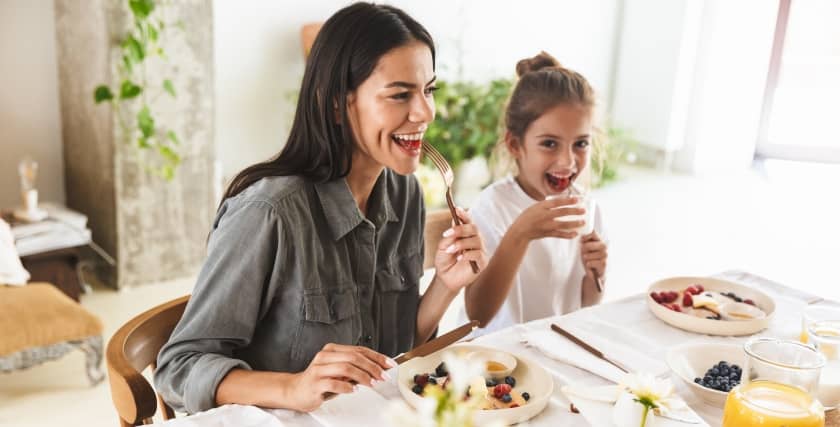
x=549, y=279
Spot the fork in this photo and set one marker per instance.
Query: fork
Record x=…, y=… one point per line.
x=599, y=282
x=448, y=178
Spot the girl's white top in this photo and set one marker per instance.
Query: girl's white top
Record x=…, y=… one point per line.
x=549, y=279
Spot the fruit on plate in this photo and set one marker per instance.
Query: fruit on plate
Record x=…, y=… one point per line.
x=696, y=301
x=494, y=394
x=721, y=377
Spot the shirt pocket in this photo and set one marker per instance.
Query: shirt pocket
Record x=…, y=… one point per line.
x=399, y=295
x=327, y=318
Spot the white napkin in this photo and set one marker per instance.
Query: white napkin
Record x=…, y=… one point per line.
x=595, y=406
x=559, y=348
x=228, y=416
x=359, y=408
x=11, y=270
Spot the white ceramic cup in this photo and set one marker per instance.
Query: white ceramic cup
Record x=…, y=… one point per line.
x=588, y=217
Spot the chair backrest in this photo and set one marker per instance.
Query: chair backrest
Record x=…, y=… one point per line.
x=132, y=349
x=437, y=222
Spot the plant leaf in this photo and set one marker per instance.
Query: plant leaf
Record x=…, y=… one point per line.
x=146, y=122
x=141, y=8
x=143, y=142
x=102, y=93
x=173, y=137
x=169, y=154
x=129, y=90
x=128, y=63
x=168, y=87
x=153, y=33
x=134, y=49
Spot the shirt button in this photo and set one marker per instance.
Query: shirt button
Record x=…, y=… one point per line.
x=368, y=338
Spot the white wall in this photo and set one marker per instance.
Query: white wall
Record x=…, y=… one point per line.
x=259, y=61
x=29, y=113
x=657, y=47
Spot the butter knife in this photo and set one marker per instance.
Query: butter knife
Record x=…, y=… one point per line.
x=438, y=343
x=592, y=350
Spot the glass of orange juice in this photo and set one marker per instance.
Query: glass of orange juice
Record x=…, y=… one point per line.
x=817, y=313
x=778, y=387
x=825, y=337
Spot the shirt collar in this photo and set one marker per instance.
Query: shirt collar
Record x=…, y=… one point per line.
x=340, y=208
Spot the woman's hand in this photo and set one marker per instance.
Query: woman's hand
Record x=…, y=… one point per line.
x=336, y=369
x=593, y=252
x=545, y=219
x=460, y=245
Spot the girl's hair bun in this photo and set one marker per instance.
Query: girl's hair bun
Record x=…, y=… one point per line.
x=541, y=61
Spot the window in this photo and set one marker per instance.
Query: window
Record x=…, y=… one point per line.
x=801, y=109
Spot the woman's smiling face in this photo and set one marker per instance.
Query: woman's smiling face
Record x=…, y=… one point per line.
x=390, y=111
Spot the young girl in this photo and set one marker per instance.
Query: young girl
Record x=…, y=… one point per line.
x=540, y=266
x=314, y=260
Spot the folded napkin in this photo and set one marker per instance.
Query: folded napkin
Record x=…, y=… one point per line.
x=559, y=348
x=362, y=408
x=228, y=416
x=598, y=406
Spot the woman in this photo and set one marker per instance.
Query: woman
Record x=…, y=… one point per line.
x=315, y=256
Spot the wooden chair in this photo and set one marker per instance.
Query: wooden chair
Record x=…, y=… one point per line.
x=437, y=221
x=132, y=349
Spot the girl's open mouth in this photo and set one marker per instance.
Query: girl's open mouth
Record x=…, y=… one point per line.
x=559, y=183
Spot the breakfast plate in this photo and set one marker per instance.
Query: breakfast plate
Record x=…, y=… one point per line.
x=529, y=394
x=710, y=306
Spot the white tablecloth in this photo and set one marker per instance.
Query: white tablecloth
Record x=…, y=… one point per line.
x=624, y=330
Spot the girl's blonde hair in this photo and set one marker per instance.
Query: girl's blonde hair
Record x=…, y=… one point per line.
x=543, y=84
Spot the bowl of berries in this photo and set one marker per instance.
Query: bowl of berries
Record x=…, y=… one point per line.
x=711, y=370
x=506, y=396
x=710, y=306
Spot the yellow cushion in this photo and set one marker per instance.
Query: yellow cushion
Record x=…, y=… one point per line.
x=38, y=315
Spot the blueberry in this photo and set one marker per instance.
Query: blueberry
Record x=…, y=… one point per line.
x=526, y=396
x=698, y=380
x=506, y=398
x=491, y=383
x=511, y=381
x=432, y=380
x=736, y=367
x=417, y=389
x=441, y=371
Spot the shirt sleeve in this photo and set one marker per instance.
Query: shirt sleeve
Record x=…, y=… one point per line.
x=231, y=294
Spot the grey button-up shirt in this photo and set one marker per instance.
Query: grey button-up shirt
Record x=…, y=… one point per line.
x=293, y=265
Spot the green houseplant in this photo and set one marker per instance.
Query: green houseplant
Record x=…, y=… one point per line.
x=137, y=93
x=468, y=118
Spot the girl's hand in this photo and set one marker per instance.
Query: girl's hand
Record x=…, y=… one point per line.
x=335, y=370
x=460, y=245
x=593, y=252
x=545, y=219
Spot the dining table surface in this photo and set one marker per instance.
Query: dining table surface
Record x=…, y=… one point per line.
x=625, y=330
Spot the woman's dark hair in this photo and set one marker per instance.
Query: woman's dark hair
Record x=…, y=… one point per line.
x=344, y=54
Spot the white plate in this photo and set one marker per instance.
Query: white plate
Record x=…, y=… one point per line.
x=710, y=326
x=692, y=360
x=530, y=377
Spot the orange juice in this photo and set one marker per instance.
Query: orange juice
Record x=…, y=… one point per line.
x=770, y=404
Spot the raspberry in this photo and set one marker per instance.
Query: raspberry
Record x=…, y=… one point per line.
x=501, y=390
x=687, y=300
x=656, y=297
x=421, y=379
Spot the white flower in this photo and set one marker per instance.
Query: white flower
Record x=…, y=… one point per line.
x=652, y=392
x=461, y=372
